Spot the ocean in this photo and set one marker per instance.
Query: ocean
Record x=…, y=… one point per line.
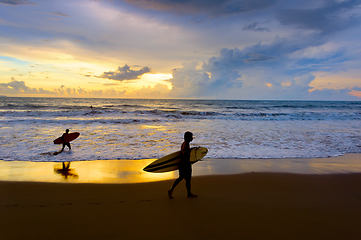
x=146, y=129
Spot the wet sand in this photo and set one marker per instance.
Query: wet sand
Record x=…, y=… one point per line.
x=131, y=171
x=242, y=206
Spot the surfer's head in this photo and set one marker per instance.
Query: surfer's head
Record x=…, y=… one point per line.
x=67, y=130
x=188, y=136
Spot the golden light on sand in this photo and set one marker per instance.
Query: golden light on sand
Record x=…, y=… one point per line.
x=131, y=171
x=106, y=171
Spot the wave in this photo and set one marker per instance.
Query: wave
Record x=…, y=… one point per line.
x=179, y=114
x=168, y=110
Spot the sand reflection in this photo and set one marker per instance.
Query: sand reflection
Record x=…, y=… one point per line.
x=130, y=171
x=65, y=171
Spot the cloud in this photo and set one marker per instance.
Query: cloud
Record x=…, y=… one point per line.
x=258, y=57
x=15, y=3
x=81, y=92
x=356, y=88
x=190, y=82
x=125, y=73
x=110, y=84
x=157, y=91
x=333, y=94
x=59, y=14
x=210, y=7
x=19, y=87
x=333, y=16
x=261, y=71
x=253, y=27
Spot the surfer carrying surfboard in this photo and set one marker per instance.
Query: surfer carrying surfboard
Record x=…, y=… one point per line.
x=185, y=166
x=65, y=143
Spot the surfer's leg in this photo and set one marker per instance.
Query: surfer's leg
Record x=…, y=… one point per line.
x=176, y=182
x=170, y=193
x=188, y=186
x=188, y=178
x=68, y=144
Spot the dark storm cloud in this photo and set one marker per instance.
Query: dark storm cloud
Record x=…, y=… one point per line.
x=16, y=2
x=125, y=73
x=211, y=7
x=327, y=19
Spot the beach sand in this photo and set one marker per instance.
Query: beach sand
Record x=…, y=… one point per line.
x=241, y=206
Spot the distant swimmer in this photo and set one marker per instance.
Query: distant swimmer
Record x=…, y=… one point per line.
x=185, y=166
x=65, y=143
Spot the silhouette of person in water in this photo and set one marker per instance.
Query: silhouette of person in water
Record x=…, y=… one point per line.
x=185, y=166
x=64, y=142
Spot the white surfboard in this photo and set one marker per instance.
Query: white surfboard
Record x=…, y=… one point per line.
x=171, y=161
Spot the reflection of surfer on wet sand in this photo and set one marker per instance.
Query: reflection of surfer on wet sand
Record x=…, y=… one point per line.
x=66, y=171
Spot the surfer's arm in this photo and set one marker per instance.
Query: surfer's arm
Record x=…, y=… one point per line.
x=185, y=150
x=183, y=147
x=62, y=137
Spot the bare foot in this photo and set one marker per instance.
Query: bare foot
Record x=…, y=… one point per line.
x=170, y=193
x=191, y=195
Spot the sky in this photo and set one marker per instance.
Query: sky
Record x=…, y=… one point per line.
x=192, y=49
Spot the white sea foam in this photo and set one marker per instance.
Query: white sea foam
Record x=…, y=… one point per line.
x=138, y=129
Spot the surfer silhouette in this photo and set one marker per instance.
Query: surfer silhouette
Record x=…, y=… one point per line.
x=185, y=166
x=65, y=143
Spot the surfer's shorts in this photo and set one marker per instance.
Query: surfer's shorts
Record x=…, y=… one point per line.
x=185, y=172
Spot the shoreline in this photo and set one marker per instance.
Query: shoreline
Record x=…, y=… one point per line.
x=130, y=171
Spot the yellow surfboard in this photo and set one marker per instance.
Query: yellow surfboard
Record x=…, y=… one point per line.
x=171, y=161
